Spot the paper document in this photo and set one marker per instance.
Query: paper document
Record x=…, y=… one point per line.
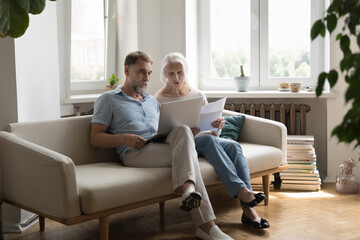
x=209, y=113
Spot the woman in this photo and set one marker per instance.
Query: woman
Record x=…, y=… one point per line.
x=225, y=155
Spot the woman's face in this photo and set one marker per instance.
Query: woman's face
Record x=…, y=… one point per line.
x=174, y=72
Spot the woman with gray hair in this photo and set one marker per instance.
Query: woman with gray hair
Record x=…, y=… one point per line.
x=224, y=155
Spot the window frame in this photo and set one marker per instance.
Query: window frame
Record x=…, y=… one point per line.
x=259, y=49
x=89, y=86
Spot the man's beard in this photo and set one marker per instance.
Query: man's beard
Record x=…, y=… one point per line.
x=137, y=87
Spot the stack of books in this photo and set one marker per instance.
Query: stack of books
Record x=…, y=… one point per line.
x=302, y=173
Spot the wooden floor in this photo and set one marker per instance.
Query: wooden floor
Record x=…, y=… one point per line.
x=292, y=215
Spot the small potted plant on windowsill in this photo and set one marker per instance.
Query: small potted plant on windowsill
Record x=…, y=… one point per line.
x=112, y=82
x=242, y=82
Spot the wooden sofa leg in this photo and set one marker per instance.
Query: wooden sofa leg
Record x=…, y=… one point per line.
x=42, y=223
x=162, y=213
x=104, y=228
x=266, y=187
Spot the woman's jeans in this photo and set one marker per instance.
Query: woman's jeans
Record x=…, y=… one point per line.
x=227, y=158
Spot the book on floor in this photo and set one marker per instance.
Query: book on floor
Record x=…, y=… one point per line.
x=304, y=187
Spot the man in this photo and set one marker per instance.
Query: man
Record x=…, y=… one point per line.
x=125, y=117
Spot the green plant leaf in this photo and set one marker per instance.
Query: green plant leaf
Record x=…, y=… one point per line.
x=343, y=64
x=338, y=37
x=320, y=84
x=113, y=80
x=316, y=28
x=345, y=43
x=332, y=77
x=14, y=19
x=358, y=39
x=37, y=6
x=331, y=21
x=323, y=30
x=334, y=6
x=351, y=92
x=33, y=6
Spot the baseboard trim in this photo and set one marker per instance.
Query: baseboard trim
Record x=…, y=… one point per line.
x=21, y=227
x=329, y=180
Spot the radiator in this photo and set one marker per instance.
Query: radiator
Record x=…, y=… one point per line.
x=292, y=115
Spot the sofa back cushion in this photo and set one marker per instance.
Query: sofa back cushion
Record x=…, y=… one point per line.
x=68, y=136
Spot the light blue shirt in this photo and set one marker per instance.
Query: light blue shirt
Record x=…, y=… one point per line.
x=123, y=114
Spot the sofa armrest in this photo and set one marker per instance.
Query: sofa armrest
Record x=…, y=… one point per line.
x=37, y=177
x=262, y=131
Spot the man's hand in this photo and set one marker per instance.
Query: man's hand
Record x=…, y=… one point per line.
x=134, y=141
x=100, y=138
x=218, y=123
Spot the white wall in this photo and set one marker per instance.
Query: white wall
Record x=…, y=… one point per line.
x=161, y=31
x=8, y=95
x=37, y=68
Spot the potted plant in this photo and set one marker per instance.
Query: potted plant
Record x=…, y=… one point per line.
x=242, y=82
x=347, y=182
x=348, y=12
x=14, y=18
x=112, y=82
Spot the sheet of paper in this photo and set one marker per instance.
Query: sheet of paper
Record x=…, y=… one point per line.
x=209, y=113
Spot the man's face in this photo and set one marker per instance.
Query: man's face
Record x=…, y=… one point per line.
x=139, y=75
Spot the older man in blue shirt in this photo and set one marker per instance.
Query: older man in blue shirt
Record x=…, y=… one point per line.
x=125, y=117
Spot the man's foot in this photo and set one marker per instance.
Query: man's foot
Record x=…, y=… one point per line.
x=190, y=200
x=214, y=234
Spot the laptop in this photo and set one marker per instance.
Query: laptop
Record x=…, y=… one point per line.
x=176, y=113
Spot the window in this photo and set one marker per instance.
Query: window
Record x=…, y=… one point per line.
x=270, y=38
x=87, y=40
x=91, y=44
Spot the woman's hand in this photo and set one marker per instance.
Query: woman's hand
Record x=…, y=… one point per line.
x=218, y=123
x=195, y=131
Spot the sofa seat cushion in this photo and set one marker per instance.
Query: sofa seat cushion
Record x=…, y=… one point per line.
x=107, y=185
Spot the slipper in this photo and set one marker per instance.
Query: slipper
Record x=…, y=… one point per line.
x=190, y=200
x=214, y=234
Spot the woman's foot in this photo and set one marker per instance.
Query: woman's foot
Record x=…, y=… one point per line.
x=214, y=234
x=249, y=198
x=251, y=217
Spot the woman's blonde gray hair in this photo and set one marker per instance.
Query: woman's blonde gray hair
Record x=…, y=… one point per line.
x=173, y=57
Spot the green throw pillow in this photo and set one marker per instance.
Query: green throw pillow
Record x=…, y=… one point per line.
x=232, y=127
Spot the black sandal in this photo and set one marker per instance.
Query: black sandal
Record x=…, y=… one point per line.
x=263, y=223
x=258, y=198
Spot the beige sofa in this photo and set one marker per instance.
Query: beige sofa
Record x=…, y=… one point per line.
x=49, y=168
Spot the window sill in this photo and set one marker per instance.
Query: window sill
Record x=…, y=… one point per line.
x=90, y=98
x=84, y=98
x=266, y=94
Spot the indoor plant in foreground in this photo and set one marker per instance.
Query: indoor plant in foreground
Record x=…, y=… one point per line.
x=347, y=12
x=347, y=182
